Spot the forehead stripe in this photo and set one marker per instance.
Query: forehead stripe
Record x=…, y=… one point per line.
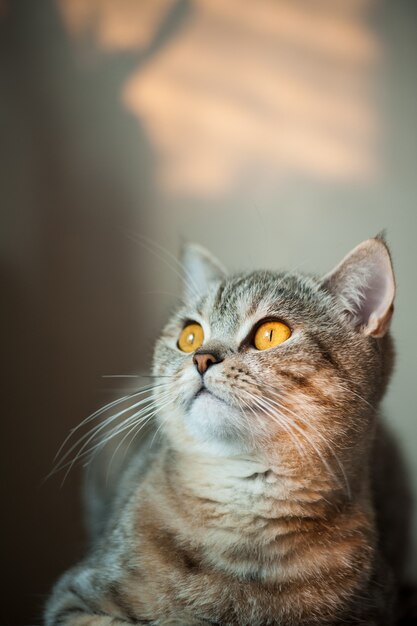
x=219, y=294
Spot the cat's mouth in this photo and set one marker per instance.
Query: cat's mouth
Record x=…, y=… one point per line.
x=204, y=392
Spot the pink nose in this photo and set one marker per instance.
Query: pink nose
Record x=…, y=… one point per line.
x=203, y=361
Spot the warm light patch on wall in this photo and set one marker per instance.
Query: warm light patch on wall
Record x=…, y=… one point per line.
x=243, y=90
x=116, y=24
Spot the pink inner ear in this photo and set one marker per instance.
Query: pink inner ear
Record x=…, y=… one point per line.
x=378, y=294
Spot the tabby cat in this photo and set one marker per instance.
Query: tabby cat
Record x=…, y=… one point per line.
x=272, y=491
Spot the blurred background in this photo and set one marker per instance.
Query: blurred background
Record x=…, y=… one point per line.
x=278, y=133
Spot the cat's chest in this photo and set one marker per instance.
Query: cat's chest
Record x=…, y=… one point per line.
x=181, y=582
x=255, y=512
x=231, y=559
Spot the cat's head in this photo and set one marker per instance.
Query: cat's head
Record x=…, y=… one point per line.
x=277, y=362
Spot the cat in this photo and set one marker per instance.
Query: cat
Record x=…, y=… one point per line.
x=274, y=493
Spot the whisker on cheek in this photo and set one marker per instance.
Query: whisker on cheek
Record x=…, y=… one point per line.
x=309, y=425
x=99, y=432
x=265, y=411
x=274, y=409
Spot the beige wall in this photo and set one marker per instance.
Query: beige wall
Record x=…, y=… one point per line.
x=274, y=138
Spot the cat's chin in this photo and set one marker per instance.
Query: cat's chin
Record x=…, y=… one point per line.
x=213, y=422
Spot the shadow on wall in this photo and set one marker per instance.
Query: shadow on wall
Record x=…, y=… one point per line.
x=71, y=177
x=249, y=89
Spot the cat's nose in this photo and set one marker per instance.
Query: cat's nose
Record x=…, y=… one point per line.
x=203, y=360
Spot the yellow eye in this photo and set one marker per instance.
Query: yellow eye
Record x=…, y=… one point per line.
x=271, y=334
x=191, y=338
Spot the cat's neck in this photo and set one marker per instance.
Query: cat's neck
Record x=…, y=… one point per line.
x=251, y=484
x=245, y=517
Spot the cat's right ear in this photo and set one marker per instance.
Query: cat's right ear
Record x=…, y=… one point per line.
x=200, y=269
x=364, y=284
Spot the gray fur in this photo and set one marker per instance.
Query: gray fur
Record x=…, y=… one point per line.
x=324, y=339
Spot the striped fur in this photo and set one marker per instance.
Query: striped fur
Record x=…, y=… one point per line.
x=265, y=501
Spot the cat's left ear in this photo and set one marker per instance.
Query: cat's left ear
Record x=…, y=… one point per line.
x=201, y=268
x=365, y=284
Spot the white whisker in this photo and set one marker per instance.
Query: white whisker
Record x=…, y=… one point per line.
x=148, y=404
x=142, y=240
x=101, y=410
x=261, y=403
x=102, y=425
x=120, y=376
x=117, y=430
x=142, y=422
x=318, y=434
